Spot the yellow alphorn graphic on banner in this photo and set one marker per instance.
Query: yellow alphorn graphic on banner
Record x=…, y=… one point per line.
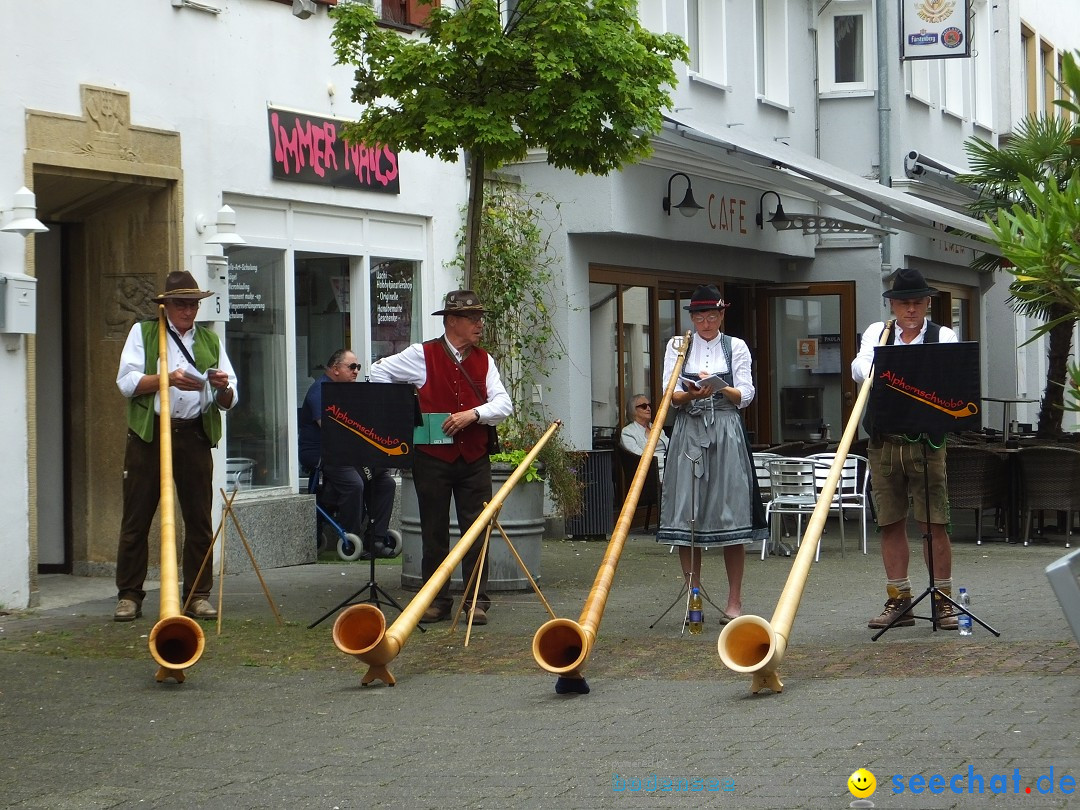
x=968, y=410
x=400, y=450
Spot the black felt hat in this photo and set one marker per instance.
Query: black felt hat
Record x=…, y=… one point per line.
x=707, y=296
x=908, y=284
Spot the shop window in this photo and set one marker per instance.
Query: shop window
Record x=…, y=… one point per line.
x=395, y=306
x=322, y=315
x=846, y=47
x=257, y=428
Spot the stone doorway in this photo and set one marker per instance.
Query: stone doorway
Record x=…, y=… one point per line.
x=110, y=194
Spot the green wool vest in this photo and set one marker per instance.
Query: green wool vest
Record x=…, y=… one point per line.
x=140, y=413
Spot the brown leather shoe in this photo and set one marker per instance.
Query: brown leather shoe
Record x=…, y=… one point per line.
x=434, y=614
x=127, y=610
x=201, y=609
x=946, y=613
x=894, y=607
x=479, y=617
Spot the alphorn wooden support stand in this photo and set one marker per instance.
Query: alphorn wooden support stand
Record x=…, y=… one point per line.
x=474, y=580
x=228, y=510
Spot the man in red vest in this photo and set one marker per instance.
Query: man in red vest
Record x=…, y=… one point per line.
x=452, y=375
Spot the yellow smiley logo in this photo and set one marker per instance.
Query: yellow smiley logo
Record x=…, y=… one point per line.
x=862, y=784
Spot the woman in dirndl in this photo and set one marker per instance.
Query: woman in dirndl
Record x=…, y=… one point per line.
x=711, y=498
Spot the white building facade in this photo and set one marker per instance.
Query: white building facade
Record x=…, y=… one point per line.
x=133, y=137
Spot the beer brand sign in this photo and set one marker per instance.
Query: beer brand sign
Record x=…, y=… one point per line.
x=935, y=29
x=309, y=149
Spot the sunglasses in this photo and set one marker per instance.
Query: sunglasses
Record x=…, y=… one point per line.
x=350, y=366
x=643, y=405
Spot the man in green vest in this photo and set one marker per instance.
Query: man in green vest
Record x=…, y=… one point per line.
x=202, y=383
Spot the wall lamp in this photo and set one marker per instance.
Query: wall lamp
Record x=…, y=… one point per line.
x=24, y=219
x=779, y=219
x=689, y=206
x=809, y=223
x=224, y=228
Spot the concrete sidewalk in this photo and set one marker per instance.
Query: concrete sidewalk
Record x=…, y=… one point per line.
x=275, y=717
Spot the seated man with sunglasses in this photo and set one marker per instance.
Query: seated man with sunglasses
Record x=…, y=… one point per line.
x=348, y=489
x=635, y=435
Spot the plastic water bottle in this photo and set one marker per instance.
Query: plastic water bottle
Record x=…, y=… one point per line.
x=963, y=621
x=695, y=623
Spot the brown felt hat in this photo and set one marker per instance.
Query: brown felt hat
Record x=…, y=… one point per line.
x=181, y=284
x=461, y=302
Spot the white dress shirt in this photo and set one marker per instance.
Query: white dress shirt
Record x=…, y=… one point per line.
x=709, y=356
x=409, y=366
x=860, y=366
x=182, y=404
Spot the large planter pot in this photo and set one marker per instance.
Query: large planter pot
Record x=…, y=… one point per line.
x=522, y=518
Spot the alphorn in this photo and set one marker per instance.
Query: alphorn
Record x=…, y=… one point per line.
x=750, y=643
x=562, y=646
x=361, y=630
x=176, y=641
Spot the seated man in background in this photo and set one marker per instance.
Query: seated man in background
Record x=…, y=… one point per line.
x=349, y=489
x=635, y=435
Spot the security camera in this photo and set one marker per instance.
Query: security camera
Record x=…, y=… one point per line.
x=303, y=8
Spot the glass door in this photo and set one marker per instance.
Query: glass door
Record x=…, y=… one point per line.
x=807, y=339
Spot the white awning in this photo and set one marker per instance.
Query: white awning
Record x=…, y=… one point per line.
x=777, y=165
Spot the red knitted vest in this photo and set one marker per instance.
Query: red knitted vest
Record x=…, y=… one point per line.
x=447, y=391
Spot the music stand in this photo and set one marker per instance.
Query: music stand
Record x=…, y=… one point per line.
x=367, y=425
x=927, y=389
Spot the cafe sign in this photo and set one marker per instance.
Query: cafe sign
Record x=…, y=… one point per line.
x=309, y=149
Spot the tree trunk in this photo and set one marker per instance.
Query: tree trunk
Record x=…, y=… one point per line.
x=1051, y=409
x=473, y=215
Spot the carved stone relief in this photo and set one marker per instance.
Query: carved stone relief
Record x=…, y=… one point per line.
x=126, y=299
x=108, y=115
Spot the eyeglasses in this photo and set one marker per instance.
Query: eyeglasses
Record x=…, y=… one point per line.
x=185, y=303
x=698, y=317
x=350, y=366
x=472, y=317
x=643, y=405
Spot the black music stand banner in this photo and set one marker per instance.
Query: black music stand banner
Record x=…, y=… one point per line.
x=930, y=388
x=368, y=424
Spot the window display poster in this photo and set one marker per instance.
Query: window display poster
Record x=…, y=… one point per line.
x=392, y=284
x=807, y=355
x=828, y=354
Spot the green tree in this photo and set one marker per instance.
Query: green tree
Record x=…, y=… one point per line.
x=1018, y=181
x=515, y=278
x=580, y=79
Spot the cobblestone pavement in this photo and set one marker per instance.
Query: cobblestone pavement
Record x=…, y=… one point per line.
x=275, y=716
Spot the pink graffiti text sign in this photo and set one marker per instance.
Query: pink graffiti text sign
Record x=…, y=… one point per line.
x=308, y=149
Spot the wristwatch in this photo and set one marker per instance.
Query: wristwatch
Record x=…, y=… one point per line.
x=477, y=412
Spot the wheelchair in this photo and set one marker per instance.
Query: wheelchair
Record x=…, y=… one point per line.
x=329, y=533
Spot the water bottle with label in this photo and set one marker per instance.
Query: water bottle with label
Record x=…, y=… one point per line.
x=694, y=618
x=963, y=621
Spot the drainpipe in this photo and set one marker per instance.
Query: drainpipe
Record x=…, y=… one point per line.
x=884, y=145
